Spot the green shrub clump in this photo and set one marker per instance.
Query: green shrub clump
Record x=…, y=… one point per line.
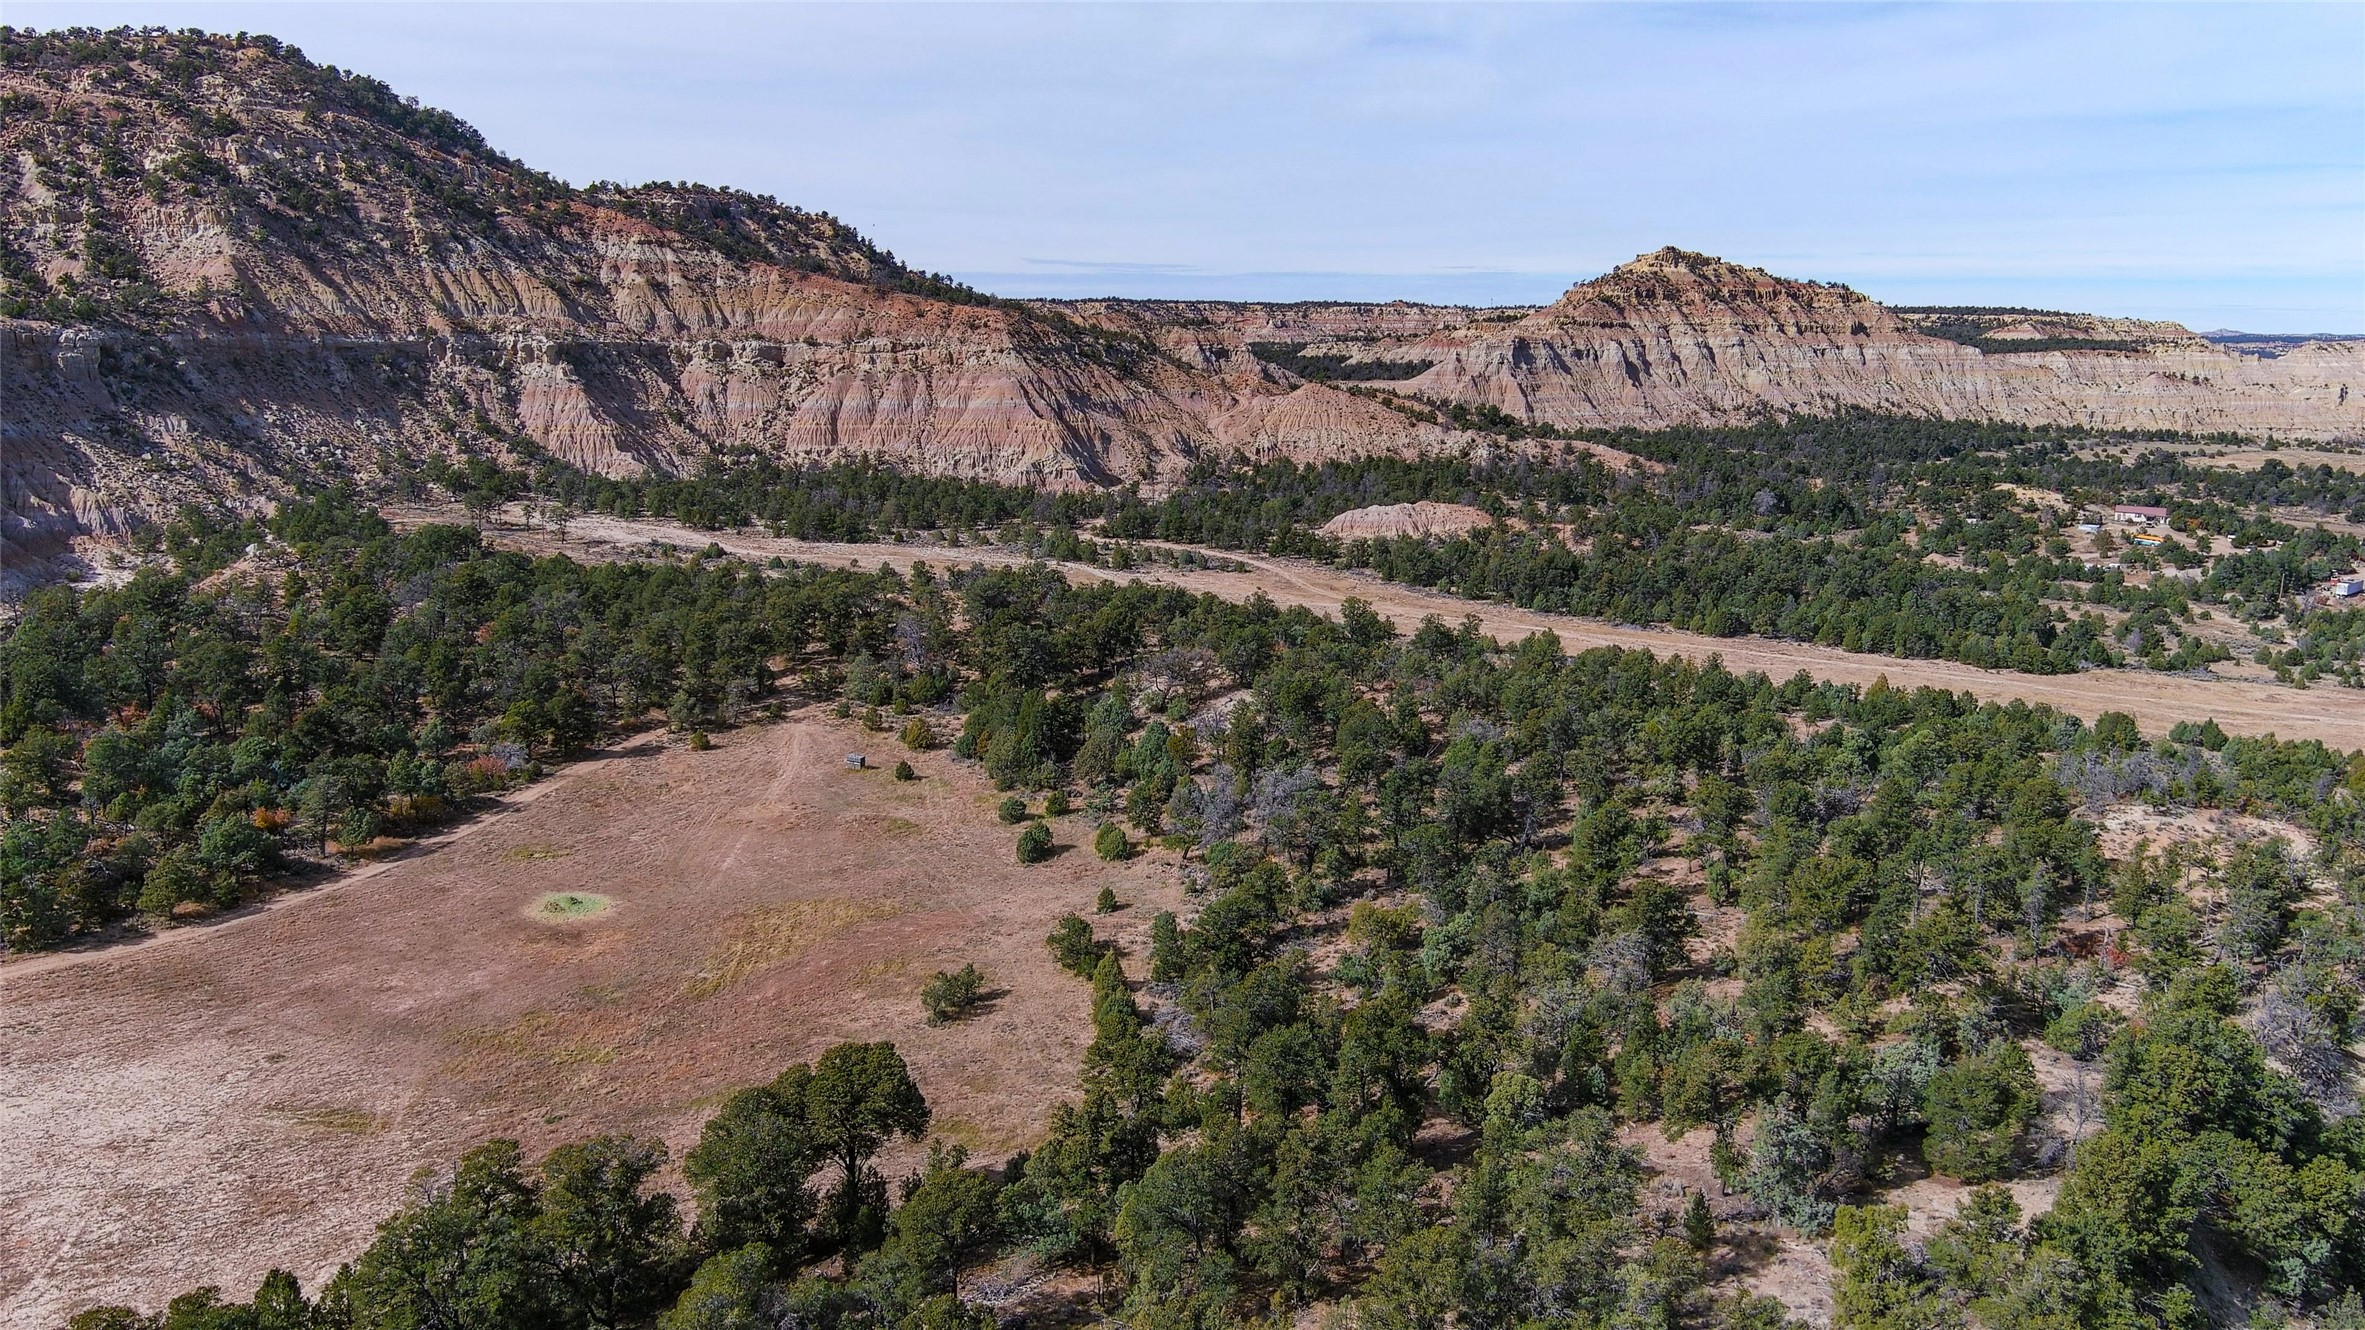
x=1034, y=844
x=1074, y=947
x=1977, y=1109
x=1110, y=843
x=948, y=996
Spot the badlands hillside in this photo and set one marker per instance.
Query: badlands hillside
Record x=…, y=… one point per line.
x=229, y=271
x=227, y=274
x=1677, y=338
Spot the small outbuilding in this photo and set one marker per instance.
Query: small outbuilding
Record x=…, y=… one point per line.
x=856, y=761
x=2140, y=514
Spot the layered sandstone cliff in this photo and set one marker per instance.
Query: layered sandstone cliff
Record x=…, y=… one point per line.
x=227, y=274
x=1679, y=338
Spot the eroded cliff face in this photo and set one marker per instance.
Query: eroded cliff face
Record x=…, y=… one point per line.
x=230, y=274
x=227, y=274
x=1678, y=338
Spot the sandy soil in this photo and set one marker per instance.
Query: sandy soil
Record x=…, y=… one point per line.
x=2334, y=715
x=227, y=1098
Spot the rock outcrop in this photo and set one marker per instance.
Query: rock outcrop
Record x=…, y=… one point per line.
x=1681, y=338
x=1423, y=519
x=228, y=274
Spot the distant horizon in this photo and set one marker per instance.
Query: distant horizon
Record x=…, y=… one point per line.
x=2198, y=164
x=1250, y=285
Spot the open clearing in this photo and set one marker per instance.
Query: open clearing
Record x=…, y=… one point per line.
x=2247, y=457
x=2242, y=706
x=658, y=928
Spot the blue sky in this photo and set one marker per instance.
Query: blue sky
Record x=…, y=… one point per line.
x=2196, y=162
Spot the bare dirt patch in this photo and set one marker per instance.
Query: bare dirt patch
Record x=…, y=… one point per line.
x=226, y=1099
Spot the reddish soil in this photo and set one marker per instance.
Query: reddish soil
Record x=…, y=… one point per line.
x=199, y=1108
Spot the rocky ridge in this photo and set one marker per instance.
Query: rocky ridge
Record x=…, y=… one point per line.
x=1681, y=338
x=227, y=273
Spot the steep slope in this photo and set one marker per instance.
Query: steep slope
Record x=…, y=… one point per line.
x=228, y=271
x=1675, y=337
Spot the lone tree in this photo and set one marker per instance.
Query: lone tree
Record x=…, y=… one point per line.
x=1110, y=842
x=948, y=995
x=861, y=1097
x=751, y=1168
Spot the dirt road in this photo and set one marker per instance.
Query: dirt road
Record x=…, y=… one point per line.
x=2331, y=714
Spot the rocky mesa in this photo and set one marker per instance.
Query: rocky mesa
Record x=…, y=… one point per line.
x=1681, y=338
x=228, y=273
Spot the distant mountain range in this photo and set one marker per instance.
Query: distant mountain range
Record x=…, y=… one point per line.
x=227, y=273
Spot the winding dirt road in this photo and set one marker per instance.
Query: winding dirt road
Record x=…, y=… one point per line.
x=2332, y=714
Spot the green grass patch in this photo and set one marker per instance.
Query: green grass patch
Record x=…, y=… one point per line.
x=558, y=906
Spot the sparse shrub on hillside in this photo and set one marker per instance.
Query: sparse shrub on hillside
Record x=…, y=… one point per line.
x=1789, y=1168
x=948, y=996
x=1106, y=901
x=917, y=736
x=1034, y=844
x=1699, y=1223
x=1166, y=952
x=2083, y=1030
x=1110, y=842
x=1055, y=804
x=1013, y=811
x=1074, y=947
x=903, y=771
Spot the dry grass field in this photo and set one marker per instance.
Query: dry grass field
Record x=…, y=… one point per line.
x=2248, y=457
x=653, y=929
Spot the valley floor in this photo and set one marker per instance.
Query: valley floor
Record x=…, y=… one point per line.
x=2334, y=715
x=200, y=1107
